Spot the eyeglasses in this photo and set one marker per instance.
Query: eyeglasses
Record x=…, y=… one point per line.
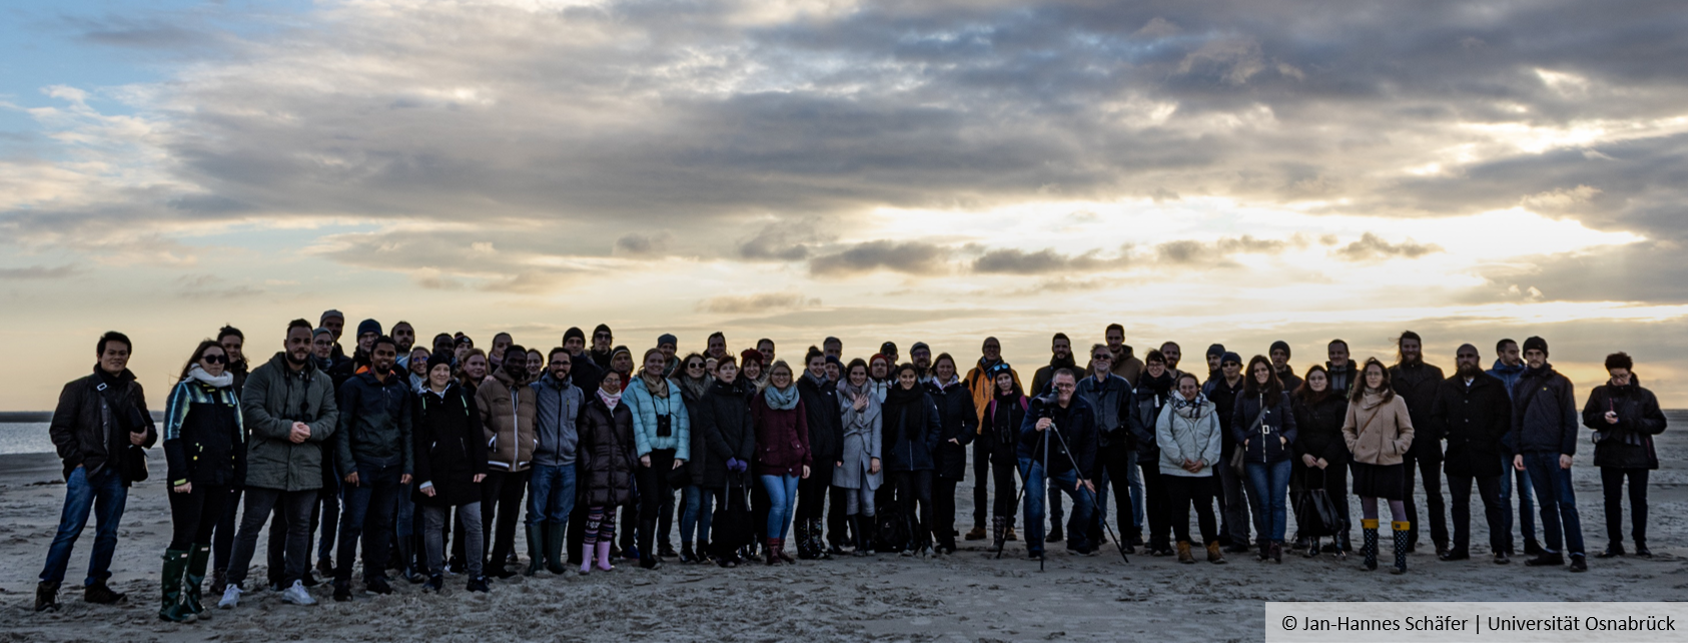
x=214, y=359
x=695, y=365
x=1103, y=358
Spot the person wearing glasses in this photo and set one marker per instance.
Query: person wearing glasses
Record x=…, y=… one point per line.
x=206, y=452
x=1263, y=426
x=1110, y=397
x=1378, y=431
x=551, y=487
x=1067, y=463
x=1624, y=417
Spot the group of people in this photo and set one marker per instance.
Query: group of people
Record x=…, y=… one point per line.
x=426, y=455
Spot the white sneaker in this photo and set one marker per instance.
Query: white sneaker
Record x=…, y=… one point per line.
x=297, y=595
x=231, y=597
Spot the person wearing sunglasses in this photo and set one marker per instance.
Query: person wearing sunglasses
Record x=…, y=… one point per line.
x=204, y=447
x=694, y=380
x=1110, y=396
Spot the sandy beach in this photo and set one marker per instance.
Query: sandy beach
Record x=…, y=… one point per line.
x=965, y=597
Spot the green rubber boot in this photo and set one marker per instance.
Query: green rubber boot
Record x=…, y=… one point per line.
x=535, y=539
x=554, y=561
x=172, y=609
x=194, y=579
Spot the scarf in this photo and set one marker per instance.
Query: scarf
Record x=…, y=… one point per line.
x=1161, y=386
x=899, y=400
x=847, y=397
x=1188, y=408
x=694, y=386
x=944, y=385
x=198, y=374
x=779, y=400
x=609, y=400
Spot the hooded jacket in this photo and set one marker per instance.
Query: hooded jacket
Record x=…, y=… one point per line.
x=1474, y=418
x=1508, y=375
x=957, y=420
x=1544, y=413
x=723, y=420
x=507, y=413
x=274, y=398
x=91, y=424
x=647, y=426
x=605, y=454
x=203, y=439
x=450, y=447
x=1629, y=443
x=1188, y=430
x=557, y=406
x=375, y=423
x=1378, y=432
x=1416, y=385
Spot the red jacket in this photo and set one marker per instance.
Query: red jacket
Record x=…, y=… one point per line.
x=782, y=439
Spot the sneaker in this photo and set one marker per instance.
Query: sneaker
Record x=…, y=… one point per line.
x=1579, y=563
x=477, y=584
x=435, y=583
x=378, y=585
x=231, y=597
x=297, y=595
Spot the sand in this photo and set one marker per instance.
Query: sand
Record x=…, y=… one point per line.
x=965, y=597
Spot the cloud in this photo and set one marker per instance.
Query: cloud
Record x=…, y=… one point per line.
x=212, y=287
x=1371, y=247
x=1013, y=261
x=643, y=245
x=39, y=272
x=760, y=302
x=783, y=241
x=913, y=257
x=1218, y=252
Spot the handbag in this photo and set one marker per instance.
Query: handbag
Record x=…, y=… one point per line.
x=1315, y=514
x=1239, y=453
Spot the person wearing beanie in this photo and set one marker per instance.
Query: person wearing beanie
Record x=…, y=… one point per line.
x=834, y=369
x=1234, y=500
x=1279, y=353
x=1472, y=411
x=1624, y=417
x=584, y=375
x=322, y=349
x=668, y=344
x=335, y=322
x=508, y=409
x=889, y=350
x=1416, y=382
x=921, y=356
x=1544, y=432
x=602, y=342
x=1214, y=355
x=450, y=456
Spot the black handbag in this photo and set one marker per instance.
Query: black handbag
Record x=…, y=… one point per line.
x=1315, y=514
x=732, y=528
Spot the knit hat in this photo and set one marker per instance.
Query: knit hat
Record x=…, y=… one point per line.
x=321, y=331
x=436, y=359
x=602, y=328
x=750, y=355
x=369, y=326
x=1536, y=343
x=833, y=360
x=888, y=347
x=331, y=314
x=1279, y=344
x=573, y=331
x=667, y=338
x=919, y=346
x=1231, y=357
x=1216, y=349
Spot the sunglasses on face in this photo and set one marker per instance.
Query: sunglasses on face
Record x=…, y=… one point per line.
x=1103, y=358
x=214, y=359
x=695, y=365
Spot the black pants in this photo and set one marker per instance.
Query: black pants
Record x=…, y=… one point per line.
x=222, y=537
x=1182, y=492
x=1006, y=491
x=1117, y=462
x=1493, y=511
x=501, y=508
x=653, y=487
x=1612, y=482
x=194, y=515
x=943, y=511
x=912, y=487
x=982, y=474
x=296, y=506
x=576, y=531
x=837, y=519
x=1429, y=466
x=1155, y=501
x=812, y=492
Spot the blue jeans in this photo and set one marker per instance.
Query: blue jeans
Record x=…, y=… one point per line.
x=550, y=494
x=1270, y=482
x=1526, y=503
x=782, y=498
x=696, y=514
x=104, y=495
x=1558, y=502
x=1078, y=537
x=367, y=511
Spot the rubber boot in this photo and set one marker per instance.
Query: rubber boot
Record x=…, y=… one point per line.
x=999, y=532
x=1402, y=530
x=554, y=534
x=800, y=533
x=586, y=558
x=1368, y=527
x=172, y=609
x=535, y=539
x=194, y=578
x=603, y=551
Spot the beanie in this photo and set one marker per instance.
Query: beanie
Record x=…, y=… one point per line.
x=573, y=331
x=369, y=326
x=1280, y=344
x=1216, y=349
x=667, y=338
x=1536, y=343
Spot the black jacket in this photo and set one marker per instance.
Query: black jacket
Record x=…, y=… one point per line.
x=1544, y=413
x=826, y=423
x=910, y=431
x=1474, y=419
x=1077, y=426
x=1224, y=398
x=723, y=421
x=1152, y=394
x=450, y=448
x=1003, y=417
x=606, y=451
x=1629, y=443
x=1416, y=384
x=1278, y=422
x=1318, y=428
x=583, y=373
x=374, y=423
x=86, y=434
x=957, y=420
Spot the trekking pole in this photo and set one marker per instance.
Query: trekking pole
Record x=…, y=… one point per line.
x=1117, y=543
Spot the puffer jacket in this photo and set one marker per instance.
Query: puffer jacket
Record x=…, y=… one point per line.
x=1378, y=432
x=782, y=438
x=375, y=423
x=1474, y=419
x=648, y=408
x=911, y=430
x=1629, y=443
x=507, y=411
x=1318, y=428
x=605, y=455
x=723, y=420
x=1263, y=443
x=1188, y=430
x=1416, y=385
x=274, y=398
x=450, y=447
x=556, y=408
x=204, y=443
x=1544, y=413
x=87, y=431
x=957, y=420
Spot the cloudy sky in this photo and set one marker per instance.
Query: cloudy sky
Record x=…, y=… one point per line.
x=1200, y=171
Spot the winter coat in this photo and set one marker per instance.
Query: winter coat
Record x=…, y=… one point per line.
x=957, y=420
x=556, y=408
x=1263, y=441
x=1126, y=364
x=648, y=410
x=911, y=430
x=826, y=420
x=983, y=387
x=1318, y=428
x=374, y=424
x=1188, y=433
x=1474, y=419
x=507, y=411
x=90, y=432
x=1077, y=426
x=863, y=431
x=782, y=438
x=723, y=420
x=1629, y=443
x=1003, y=417
x=585, y=375
x=1544, y=413
x=274, y=398
x=1046, y=374
x=1342, y=379
x=1508, y=375
x=204, y=442
x=1289, y=379
x=1112, y=399
x=1145, y=413
x=605, y=454
x=1416, y=384
x=1224, y=399
x=1378, y=432
x=450, y=447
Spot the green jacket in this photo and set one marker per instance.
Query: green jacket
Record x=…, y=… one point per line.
x=274, y=398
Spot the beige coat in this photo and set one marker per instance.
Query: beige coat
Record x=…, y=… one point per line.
x=1378, y=432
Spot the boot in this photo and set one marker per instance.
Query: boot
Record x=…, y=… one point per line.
x=409, y=566
x=1343, y=544
x=1214, y=555
x=1009, y=533
x=1277, y=552
x=800, y=533
x=779, y=551
x=194, y=578
x=219, y=581
x=978, y=533
x=774, y=545
x=1184, y=553
x=1368, y=527
x=172, y=609
x=46, y=596
x=535, y=538
x=586, y=558
x=603, y=551
x=998, y=533
x=554, y=534
x=1402, y=528
x=101, y=593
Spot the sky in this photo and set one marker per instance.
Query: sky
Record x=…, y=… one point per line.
x=1198, y=171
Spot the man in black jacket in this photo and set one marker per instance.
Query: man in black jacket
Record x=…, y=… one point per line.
x=1075, y=421
x=1474, y=412
x=1625, y=417
x=1234, y=498
x=100, y=428
x=1416, y=382
x=375, y=458
x=1544, y=430
x=826, y=443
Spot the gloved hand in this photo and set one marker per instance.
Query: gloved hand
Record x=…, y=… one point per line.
x=736, y=465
